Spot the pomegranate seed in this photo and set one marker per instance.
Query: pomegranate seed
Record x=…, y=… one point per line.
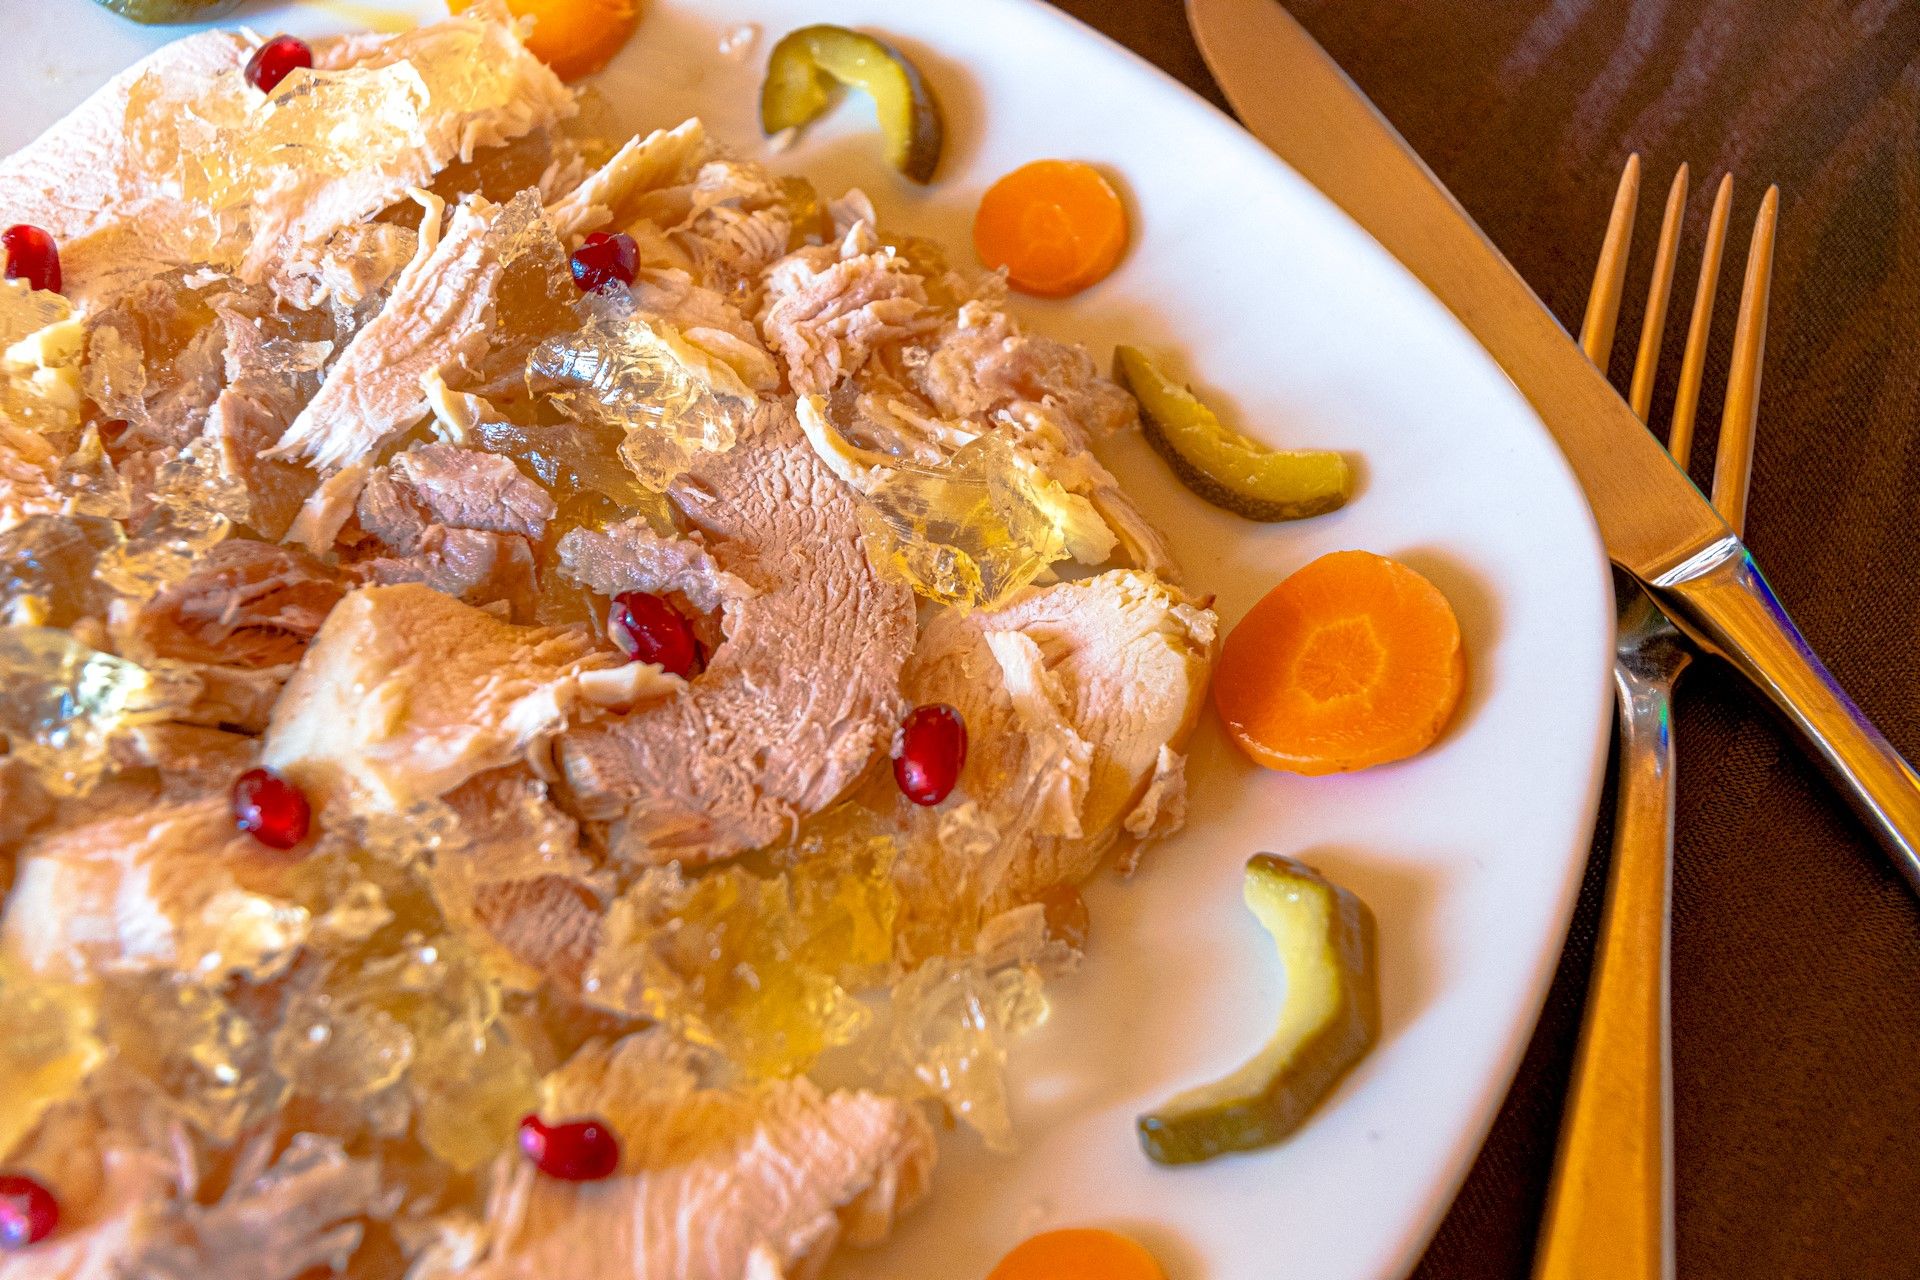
x=31, y=256
x=649, y=629
x=575, y=1151
x=273, y=61
x=270, y=809
x=601, y=259
x=930, y=752
x=28, y=1211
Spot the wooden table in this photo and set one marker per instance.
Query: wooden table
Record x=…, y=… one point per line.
x=1796, y=1002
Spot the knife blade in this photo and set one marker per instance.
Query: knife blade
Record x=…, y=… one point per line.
x=1655, y=524
x=1295, y=99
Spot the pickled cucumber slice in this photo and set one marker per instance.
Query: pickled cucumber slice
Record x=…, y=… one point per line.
x=1328, y=1021
x=171, y=11
x=806, y=65
x=1223, y=466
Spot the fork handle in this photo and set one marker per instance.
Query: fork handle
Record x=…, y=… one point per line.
x=1721, y=600
x=1609, y=1212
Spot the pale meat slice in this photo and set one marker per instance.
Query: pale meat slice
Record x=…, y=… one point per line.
x=234, y=697
x=663, y=156
x=261, y=396
x=113, y=1197
x=798, y=700
x=122, y=182
x=465, y=111
x=471, y=565
x=28, y=465
x=406, y=693
x=715, y=1184
x=302, y=1215
x=24, y=805
x=356, y=262
x=725, y=223
x=436, y=321
x=459, y=488
x=82, y=182
x=982, y=361
x=245, y=604
x=189, y=758
x=829, y=308
x=131, y=890
x=1078, y=700
x=710, y=322
x=460, y=521
x=518, y=879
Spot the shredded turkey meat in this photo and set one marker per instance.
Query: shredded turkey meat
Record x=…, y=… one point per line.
x=758, y=740
x=716, y=1181
x=344, y=821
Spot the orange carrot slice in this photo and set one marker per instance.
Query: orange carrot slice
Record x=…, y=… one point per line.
x=1353, y=661
x=1057, y=226
x=1078, y=1253
x=574, y=37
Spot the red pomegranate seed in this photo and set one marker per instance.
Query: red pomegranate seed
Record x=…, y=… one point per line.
x=601, y=259
x=575, y=1151
x=930, y=752
x=28, y=1211
x=31, y=256
x=270, y=809
x=649, y=629
x=273, y=61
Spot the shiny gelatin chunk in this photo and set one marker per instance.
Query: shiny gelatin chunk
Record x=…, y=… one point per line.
x=62, y=703
x=969, y=533
x=763, y=967
x=49, y=1047
x=625, y=371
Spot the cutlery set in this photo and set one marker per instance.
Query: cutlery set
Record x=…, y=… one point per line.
x=1686, y=583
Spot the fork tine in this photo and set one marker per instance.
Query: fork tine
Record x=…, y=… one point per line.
x=1610, y=273
x=1733, y=464
x=1659, y=292
x=1686, y=399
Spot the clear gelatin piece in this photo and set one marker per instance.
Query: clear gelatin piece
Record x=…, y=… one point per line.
x=969, y=533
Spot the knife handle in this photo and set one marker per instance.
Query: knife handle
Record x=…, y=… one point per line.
x=1720, y=600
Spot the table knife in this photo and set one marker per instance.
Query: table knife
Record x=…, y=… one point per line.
x=1656, y=526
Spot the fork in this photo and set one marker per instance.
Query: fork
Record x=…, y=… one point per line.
x=1609, y=1213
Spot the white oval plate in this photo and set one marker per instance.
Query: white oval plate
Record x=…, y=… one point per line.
x=1304, y=333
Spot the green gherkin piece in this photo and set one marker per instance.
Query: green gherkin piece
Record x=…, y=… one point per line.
x=1223, y=466
x=161, y=12
x=1328, y=1020
x=808, y=63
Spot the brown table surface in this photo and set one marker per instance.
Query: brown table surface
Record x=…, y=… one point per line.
x=1796, y=966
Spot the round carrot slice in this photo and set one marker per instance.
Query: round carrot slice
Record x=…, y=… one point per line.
x=1078, y=1253
x=574, y=37
x=1353, y=661
x=1057, y=226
